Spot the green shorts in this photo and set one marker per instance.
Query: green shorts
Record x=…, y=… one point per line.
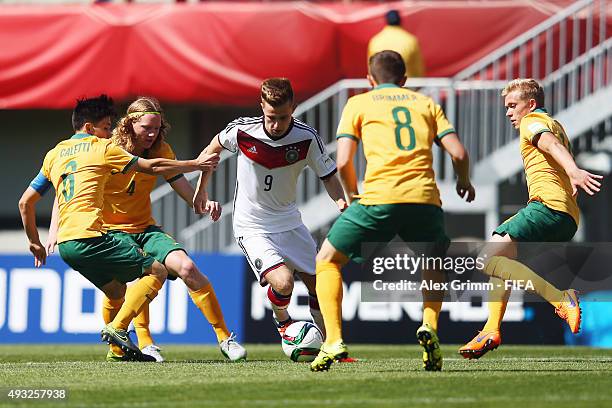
x=154, y=241
x=378, y=224
x=105, y=258
x=538, y=223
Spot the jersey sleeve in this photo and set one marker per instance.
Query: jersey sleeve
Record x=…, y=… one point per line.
x=228, y=137
x=118, y=159
x=319, y=160
x=350, y=122
x=42, y=181
x=443, y=126
x=533, y=126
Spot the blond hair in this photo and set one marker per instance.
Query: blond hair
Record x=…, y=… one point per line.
x=528, y=88
x=276, y=91
x=123, y=134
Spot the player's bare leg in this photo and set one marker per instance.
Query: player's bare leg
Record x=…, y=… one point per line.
x=203, y=296
x=144, y=291
x=502, y=267
x=489, y=338
x=329, y=292
x=280, y=289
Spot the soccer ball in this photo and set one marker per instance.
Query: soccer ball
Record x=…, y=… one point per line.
x=302, y=341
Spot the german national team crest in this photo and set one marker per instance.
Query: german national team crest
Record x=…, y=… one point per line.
x=292, y=154
x=258, y=264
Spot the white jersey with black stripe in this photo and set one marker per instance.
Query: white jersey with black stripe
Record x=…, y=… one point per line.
x=268, y=169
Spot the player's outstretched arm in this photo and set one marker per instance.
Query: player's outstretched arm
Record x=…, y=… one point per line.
x=334, y=189
x=200, y=199
x=186, y=191
x=461, y=164
x=548, y=143
x=204, y=161
x=346, y=167
x=27, y=209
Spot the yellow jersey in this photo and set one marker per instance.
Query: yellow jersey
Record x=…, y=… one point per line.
x=547, y=182
x=397, y=127
x=79, y=169
x=395, y=38
x=127, y=201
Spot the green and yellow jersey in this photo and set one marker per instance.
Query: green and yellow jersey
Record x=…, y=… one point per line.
x=127, y=201
x=397, y=127
x=395, y=38
x=78, y=169
x=547, y=182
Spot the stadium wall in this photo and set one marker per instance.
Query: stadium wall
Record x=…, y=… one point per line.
x=219, y=52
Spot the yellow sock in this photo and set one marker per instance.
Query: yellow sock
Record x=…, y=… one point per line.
x=110, y=307
x=141, y=325
x=497, y=302
x=432, y=299
x=509, y=269
x=329, y=293
x=140, y=294
x=431, y=312
x=206, y=300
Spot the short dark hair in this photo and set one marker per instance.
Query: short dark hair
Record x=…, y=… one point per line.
x=92, y=110
x=387, y=67
x=276, y=91
x=393, y=18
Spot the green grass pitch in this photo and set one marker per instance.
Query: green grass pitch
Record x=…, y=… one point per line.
x=387, y=376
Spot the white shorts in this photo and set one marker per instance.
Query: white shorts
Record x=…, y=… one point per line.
x=295, y=248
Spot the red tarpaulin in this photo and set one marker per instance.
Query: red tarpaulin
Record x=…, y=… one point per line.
x=219, y=52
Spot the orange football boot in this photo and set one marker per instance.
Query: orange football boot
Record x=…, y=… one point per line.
x=481, y=344
x=569, y=310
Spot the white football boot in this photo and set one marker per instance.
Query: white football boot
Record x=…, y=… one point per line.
x=153, y=351
x=232, y=350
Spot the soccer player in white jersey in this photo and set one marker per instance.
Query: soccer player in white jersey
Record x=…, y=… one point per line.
x=272, y=151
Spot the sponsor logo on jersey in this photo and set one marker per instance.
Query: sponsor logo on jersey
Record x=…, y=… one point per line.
x=258, y=264
x=252, y=149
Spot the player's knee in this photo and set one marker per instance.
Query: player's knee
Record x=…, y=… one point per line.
x=328, y=253
x=491, y=267
x=284, y=287
x=159, y=271
x=325, y=255
x=188, y=269
x=162, y=274
x=114, y=290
